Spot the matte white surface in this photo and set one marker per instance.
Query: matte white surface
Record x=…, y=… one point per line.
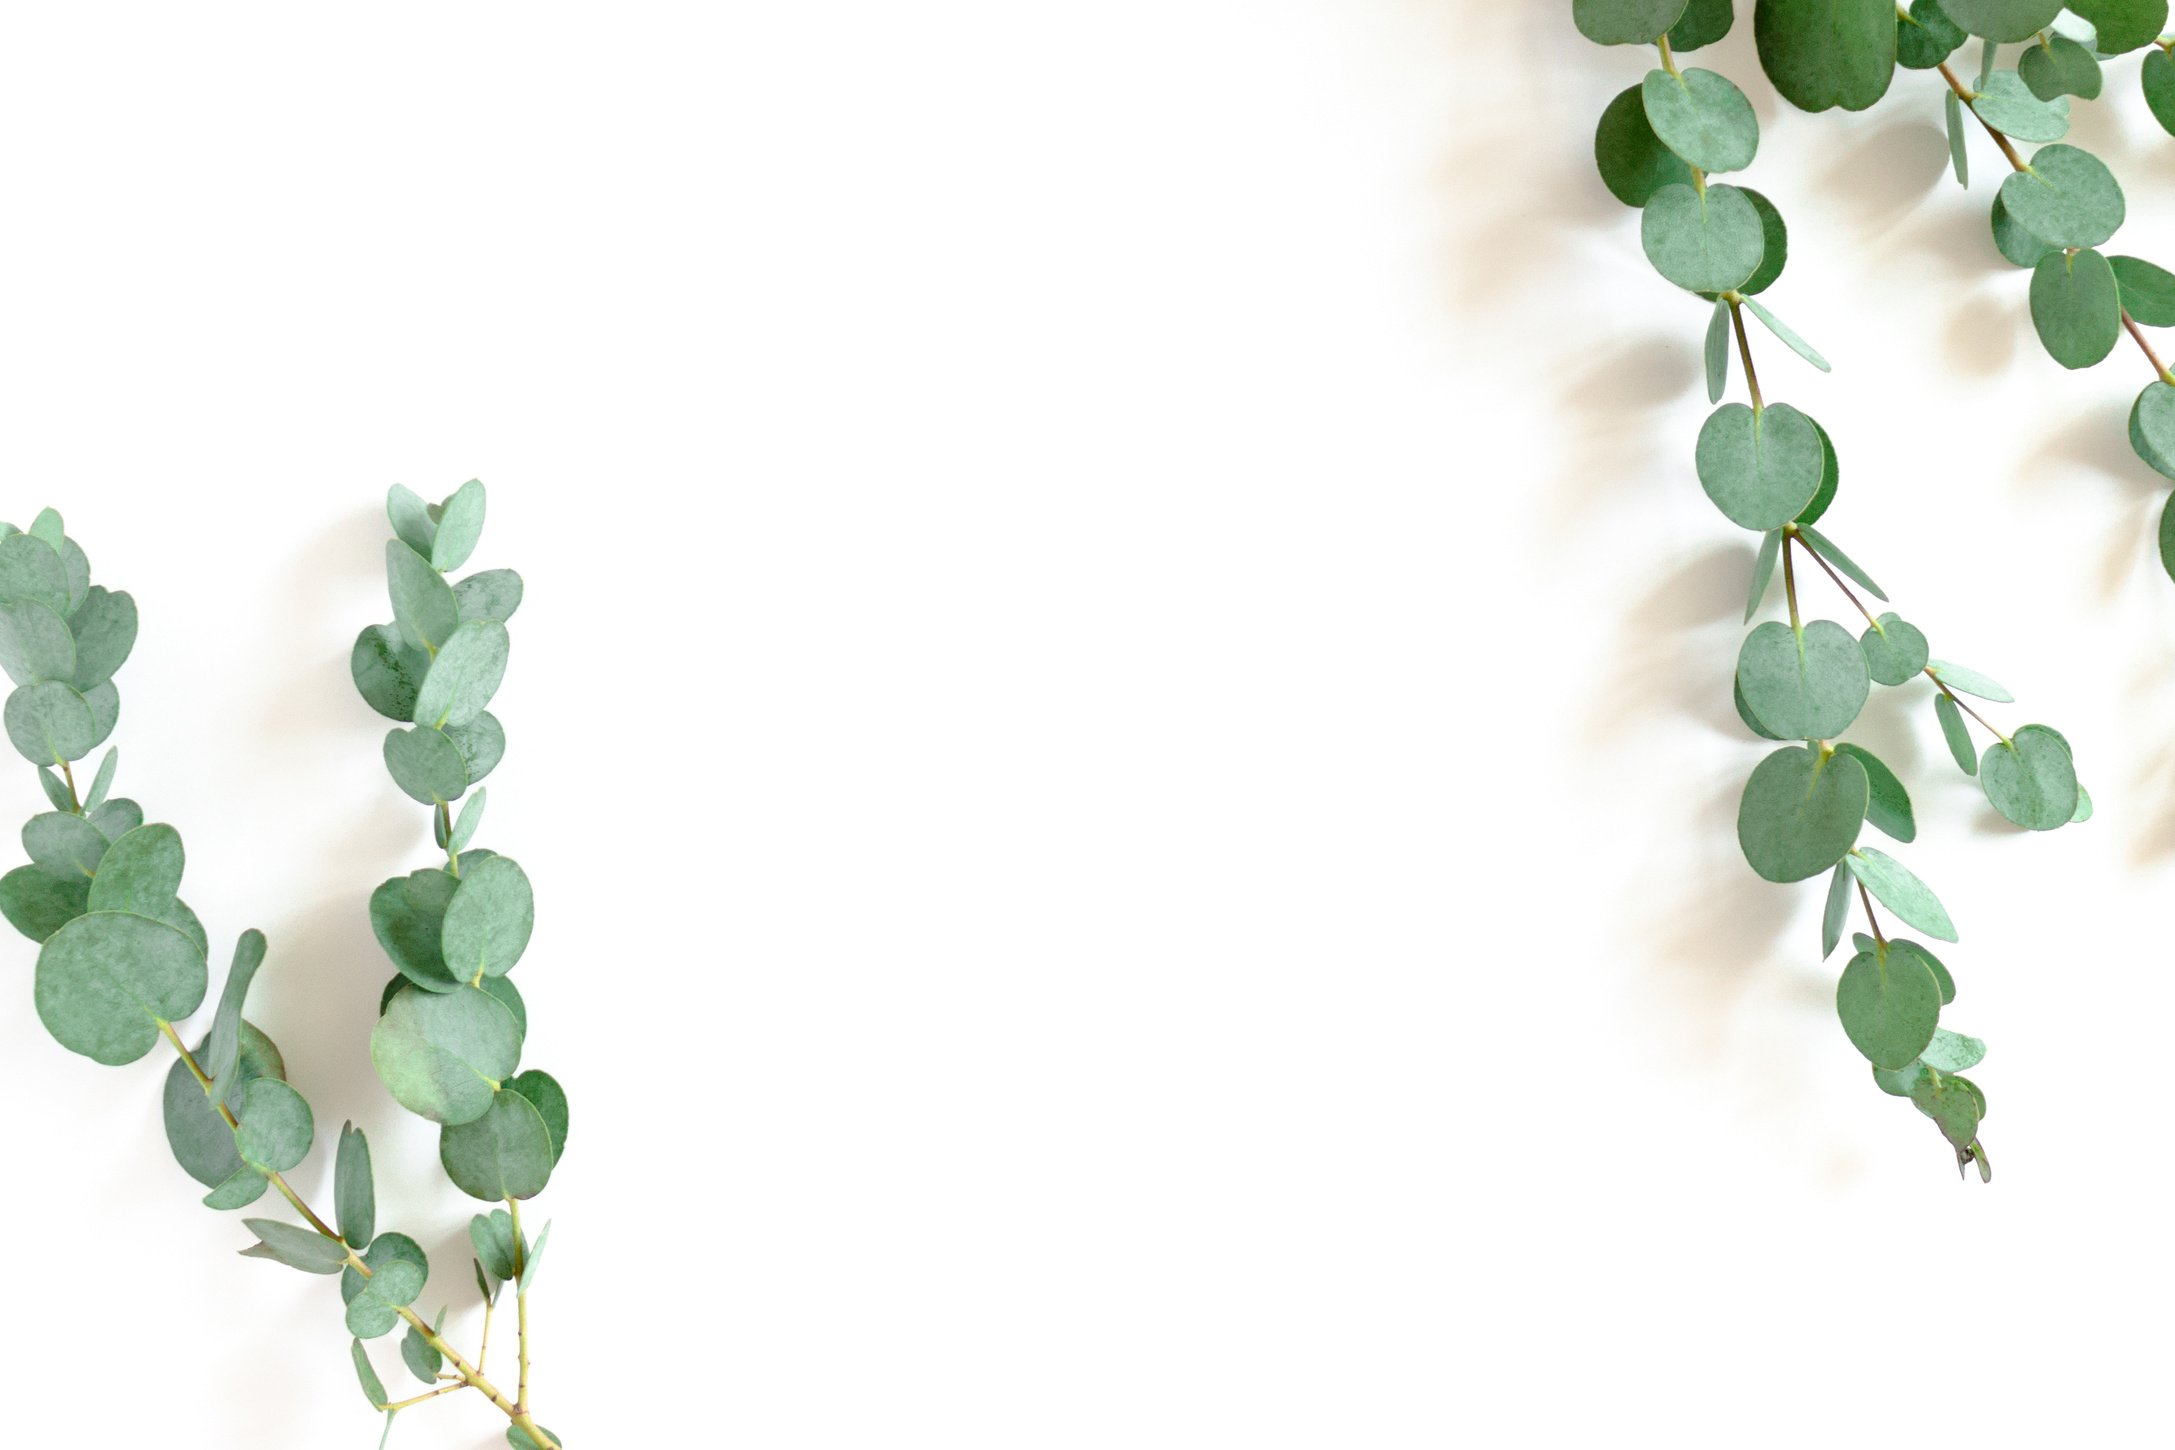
x=1122, y=726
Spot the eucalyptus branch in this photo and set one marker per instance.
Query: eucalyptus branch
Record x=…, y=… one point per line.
x=122, y=959
x=451, y=1023
x=1771, y=469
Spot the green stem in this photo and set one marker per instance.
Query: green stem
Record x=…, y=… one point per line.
x=1870, y=919
x=521, y=1301
x=470, y=1375
x=1789, y=581
x=1744, y=351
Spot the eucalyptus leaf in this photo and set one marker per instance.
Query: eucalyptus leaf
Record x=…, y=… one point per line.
x=373, y=1388
x=420, y=1355
x=1831, y=476
x=460, y=524
x=103, y=781
x=504, y=1154
x=2003, y=20
x=1836, y=911
x=481, y=742
x=1895, y=886
x=492, y=1234
x=1895, y=650
x=35, y=643
x=2147, y=291
x=1718, y=351
x=2158, y=79
x=2007, y=104
x=1763, y=573
x=202, y=1141
x=1807, y=685
x=2031, y=779
x=108, y=979
x=2017, y=243
x=1826, y=549
x=354, y=1188
x=388, y=671
x=426, y=764
x=1826, y=53
x=1625, y=22
x=2120, y=26
x=30, y=569
x=464, y=827
x=49, y=723
x=1955, y=1106
x=1702, y=117
x=2067, y=197
x=104, y=628
x=399, y=1271
x=423, y=603
x=2152, y=428
x=1801, y=812
x=1761, y=468
x=411, y=519
x=443, y=1055
x=409, y=925
x=1926, y=36
x=1888, y=805
x=37, y=903
x=1789, y=338
x=1953, y=1052
x=1704, y=241
x=465, y=674
x=496, y=593
x=276, y=1127
x=549, y=1099
x=2060, y=67
x=226, y=1047
x=488, y=924
x=1956, y=733
x=141, y=872
x=64, y=845
x=2077, y=307
x=297, y=1248
x=1959, y=158
x=1890, y=1005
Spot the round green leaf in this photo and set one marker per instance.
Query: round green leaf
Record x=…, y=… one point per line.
x=1890, y=1005
x=464, y=676
x=2069, y=197
x=106, y=980
x=1825, y=53
x=1971, y=682
x=32, y=569
x=1776, y=251
x=408, y=922
x=549, y=1099
x=2007, y=104
x=1801, y=812
x=1762, y=469
x=496, y=593
x=49, y=723
x=104, y=626
x=2152, y=428
x=388, y=671
x=1633, y=162
x=1895, y=653
x=37, y=903
x=104, y=704
x=398, y=1271
x=2123, y=25
x=1954, y=1104
x=506, y=992
x=423, y=603
x=202, y=1142
x=1703, y=242
x=460, y=524
x=2061, y=67
x=442, y=1055
x=2167, y=562
x=2148, y=292
x=141, y=873
x=2020, y=246
x=1953, y=1052
x=2077, y=307
x=1703, y=23
x=1926, y=36
x=35, y=643
x=1703, y=118
x=276, y=1126
x=1803, y=687
x=2158, y=78
x=1625, y=22
x=426, y=764
x=2003, y=20
x=1831, y=474
x=1744, y=713
x=504, y=1154
x=482, y=742
x=1913, y=949
x=488, y=924
x=64, y=845
x=2031, y=779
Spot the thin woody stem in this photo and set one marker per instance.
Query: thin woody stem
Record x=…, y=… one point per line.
x=1744, y=351
x=1870, y=919
x=1965, y=94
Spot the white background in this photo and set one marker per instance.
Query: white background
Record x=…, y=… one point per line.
x=1122, y=725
